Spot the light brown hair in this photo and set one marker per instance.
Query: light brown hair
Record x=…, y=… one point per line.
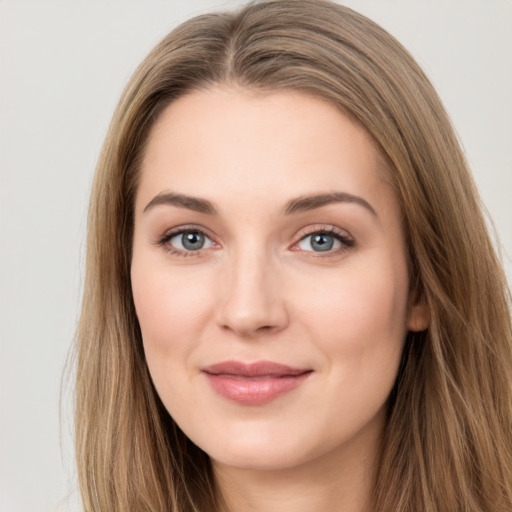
x=447, y=445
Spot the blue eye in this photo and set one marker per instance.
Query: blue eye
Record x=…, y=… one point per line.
x=319, y=242
x=322, y=241
x=189, y=240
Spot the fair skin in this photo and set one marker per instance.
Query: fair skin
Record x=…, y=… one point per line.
x=256, y=274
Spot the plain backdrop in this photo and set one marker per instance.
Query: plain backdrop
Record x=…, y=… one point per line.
x=63, y=66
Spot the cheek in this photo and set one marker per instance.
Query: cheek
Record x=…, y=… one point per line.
x=359, y=315
x=172, y=308
x=359, y=325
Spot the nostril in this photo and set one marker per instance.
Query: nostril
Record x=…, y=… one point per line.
x=250, y=331
x=265, y=328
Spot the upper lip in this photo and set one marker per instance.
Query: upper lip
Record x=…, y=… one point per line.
x=257, y=369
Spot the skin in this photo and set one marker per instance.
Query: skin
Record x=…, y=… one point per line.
x=258, y=290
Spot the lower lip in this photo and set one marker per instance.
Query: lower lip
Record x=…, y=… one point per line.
x=254, y=391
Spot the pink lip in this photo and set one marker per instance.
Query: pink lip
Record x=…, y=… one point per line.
x=254, y=383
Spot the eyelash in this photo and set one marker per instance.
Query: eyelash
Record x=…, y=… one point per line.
x=346, y=241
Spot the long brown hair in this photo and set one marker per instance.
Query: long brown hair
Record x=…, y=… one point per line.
x=447, y=445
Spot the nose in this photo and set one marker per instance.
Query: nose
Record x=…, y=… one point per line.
x=251, y=301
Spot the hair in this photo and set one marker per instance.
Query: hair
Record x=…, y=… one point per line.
x=447, y=443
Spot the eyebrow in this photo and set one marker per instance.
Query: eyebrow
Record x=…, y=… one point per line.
x=306, y=203
x=182, y=201
x=298, y=205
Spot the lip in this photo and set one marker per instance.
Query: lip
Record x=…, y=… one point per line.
x=254, y=383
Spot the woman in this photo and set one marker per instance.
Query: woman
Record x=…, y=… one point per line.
x=291, y=299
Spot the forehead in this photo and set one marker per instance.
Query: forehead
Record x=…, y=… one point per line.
x=226, y=142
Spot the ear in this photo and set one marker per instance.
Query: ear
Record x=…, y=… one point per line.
x=418, y=318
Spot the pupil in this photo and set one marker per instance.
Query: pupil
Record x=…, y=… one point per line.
x=322, y=242
x=192, y=241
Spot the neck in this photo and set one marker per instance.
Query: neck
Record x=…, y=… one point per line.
x=339, y=481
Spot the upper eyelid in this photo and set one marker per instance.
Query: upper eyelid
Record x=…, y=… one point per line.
x=171, y=232
x=323, y=228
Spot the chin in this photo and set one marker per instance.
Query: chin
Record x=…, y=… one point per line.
x=252, y=450
x=267, y=459
x=270, y=452
x=274, y=446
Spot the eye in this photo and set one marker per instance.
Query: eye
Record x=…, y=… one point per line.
x=319, y=242
x=324, y=241
x=190, y=241
x=186, y=242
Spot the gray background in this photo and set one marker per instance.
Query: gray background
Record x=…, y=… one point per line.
x=63, y=65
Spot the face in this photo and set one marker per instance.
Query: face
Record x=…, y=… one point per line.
x=269, y=276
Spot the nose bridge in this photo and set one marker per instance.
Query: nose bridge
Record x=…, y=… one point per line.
x=252, y=301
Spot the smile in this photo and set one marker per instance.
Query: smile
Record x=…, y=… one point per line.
x=256, y=383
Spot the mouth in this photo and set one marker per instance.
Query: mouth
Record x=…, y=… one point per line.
x=255, y=383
